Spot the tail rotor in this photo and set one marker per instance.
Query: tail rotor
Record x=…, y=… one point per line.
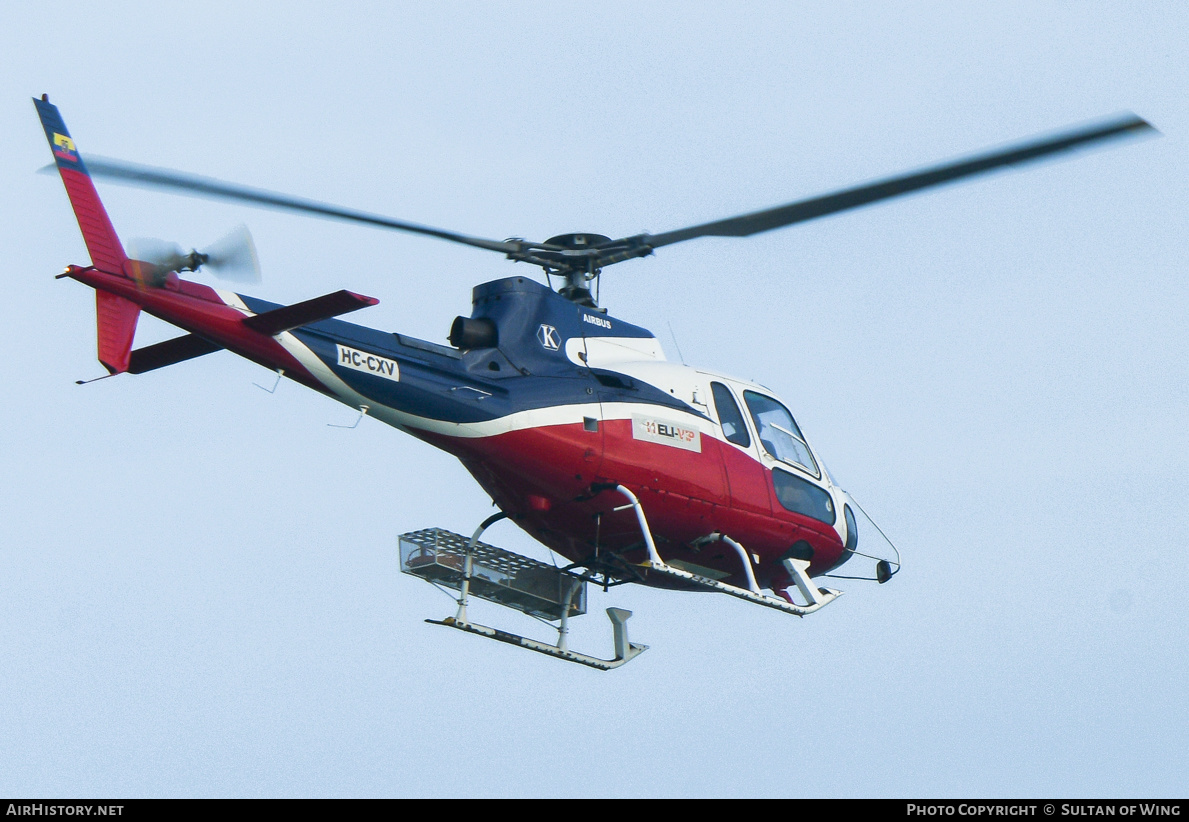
x=232, y=258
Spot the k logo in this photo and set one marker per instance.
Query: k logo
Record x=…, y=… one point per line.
x=547, y=334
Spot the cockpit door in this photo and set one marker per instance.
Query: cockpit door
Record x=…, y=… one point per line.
x=746, y=474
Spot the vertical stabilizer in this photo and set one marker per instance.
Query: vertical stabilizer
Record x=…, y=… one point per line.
x=115, y=316
x=115, y=320
x=106, y=252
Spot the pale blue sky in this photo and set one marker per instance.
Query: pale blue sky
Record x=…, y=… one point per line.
x=199, y=587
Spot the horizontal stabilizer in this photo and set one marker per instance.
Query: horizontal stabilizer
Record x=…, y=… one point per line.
x=179, y=349
x=308, y=311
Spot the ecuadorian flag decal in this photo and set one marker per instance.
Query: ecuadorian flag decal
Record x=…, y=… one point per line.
x=59, y=138
x=64, y=148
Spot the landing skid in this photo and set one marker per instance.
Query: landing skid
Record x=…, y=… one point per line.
x=823, y=598
x=474, y=568
x=624, y=650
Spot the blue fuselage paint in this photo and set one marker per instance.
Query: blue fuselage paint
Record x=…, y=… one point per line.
x=527, y=370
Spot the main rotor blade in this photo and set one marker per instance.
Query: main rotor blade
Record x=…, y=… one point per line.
x=803, y=210
x=133, y=174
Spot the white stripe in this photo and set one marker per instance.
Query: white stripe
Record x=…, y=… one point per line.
x=232, y=299
x=518, y=421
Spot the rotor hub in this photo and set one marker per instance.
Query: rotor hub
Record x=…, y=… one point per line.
x=575, y=262
x=576, y=249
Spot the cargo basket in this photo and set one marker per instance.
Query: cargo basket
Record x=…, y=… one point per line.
x=439, y=556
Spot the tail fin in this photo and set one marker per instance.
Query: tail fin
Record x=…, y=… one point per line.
x=115, y=322
x=115, y=316
x=106, y=252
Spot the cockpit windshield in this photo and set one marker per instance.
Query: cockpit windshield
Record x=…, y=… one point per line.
x=779, y=433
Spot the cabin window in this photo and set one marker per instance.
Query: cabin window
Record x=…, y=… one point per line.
x=803, y=497
x=779, y=433
x=729, y=416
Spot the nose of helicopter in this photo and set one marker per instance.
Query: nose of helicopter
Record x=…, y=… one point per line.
x=875, y=541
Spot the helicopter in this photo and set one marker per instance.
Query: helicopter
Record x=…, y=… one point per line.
x=634, y=469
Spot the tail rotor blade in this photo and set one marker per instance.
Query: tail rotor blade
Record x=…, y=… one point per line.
x=234, y=257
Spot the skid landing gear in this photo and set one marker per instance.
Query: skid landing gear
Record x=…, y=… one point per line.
x=474, y=568
x=815, y=598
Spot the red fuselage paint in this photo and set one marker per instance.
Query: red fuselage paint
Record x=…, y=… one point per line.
x=685, y=495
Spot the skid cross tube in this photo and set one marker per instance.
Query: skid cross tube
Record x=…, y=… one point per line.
x=752, y=585
x=469, y=566
x=816, y=598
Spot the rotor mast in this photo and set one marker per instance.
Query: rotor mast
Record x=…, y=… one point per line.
x=575, y=264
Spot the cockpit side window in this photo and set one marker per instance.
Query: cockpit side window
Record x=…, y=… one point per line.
x=779, y=433
x=733, y=426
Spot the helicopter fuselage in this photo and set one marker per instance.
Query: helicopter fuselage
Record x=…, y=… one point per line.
x=556, y=406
